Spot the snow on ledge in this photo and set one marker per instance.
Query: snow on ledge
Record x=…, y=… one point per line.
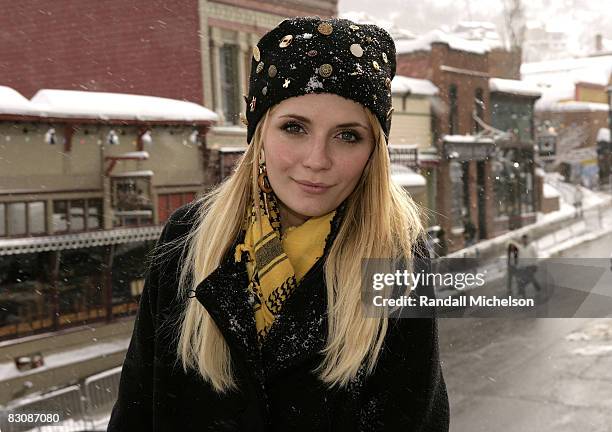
x=402, y=84
x=142, y=173
x=405, y=176
x=603, y=135
x=514, y=87
x=467, y=139
x=572, y=106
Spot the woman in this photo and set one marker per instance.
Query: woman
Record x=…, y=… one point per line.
x=251, y=316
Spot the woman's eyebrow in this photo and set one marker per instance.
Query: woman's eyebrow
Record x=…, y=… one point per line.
x=307, y=121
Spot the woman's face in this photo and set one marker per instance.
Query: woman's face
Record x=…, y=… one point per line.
x=316, y=147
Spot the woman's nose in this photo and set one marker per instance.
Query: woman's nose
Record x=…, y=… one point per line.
x=318, y=157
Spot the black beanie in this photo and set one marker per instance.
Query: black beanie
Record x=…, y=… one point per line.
x=314, y=55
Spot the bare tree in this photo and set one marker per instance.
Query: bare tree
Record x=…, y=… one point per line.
x=514, y=24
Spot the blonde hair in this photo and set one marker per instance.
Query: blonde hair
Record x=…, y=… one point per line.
x=381, y=220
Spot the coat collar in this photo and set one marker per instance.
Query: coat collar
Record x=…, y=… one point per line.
x=297, y=333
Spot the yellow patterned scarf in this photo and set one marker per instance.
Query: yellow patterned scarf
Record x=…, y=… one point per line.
x=276, y=262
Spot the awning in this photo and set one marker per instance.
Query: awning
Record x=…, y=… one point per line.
x=80, y=240
x=408, y=178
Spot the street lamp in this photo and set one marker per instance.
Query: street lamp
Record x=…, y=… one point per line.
x=608, y=145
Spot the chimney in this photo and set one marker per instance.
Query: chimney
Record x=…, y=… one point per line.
x=598, y=43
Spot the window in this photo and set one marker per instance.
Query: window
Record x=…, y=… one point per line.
x=453, y=112
x=23, y=218
x=69, y=215
x=2, y=220
x=132, y=201
x=479, y=109
x=228, y=81
x=458, y=210
x=37, y=223
x=16, y=216
x=167, y=203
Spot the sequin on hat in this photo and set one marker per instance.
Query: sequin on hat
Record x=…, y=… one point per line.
x=312, y=55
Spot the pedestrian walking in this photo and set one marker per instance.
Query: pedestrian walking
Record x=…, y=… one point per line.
x=251, y=315
x=578, y=195
x=522, y=265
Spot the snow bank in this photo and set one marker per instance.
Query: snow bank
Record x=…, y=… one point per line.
x=405, y=176
x=403, y=84
x=550, y=191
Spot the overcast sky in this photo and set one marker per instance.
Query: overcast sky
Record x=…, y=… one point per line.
x=583, y=18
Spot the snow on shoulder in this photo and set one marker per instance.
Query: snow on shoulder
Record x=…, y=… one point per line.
x=402, y=84
x=117, y=106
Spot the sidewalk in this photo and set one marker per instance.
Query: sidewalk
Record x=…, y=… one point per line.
x=551, y=234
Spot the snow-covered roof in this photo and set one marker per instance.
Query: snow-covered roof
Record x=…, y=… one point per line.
x=405, y=176
x=423, y=43
x=595, y=70
x=396, y=33
x=575, y=106
x=467, y=139
x=107, y=106
x=13, y=102
x=603, y=135
x=516, y=87
x=403, y=84
x=135, y=155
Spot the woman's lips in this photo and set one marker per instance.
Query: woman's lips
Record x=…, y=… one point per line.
x=314, y=188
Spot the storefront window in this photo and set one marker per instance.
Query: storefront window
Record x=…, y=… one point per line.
x=37, y=222
x=16, y=216
x=60, y=216
x=77, y=215
x=2, y=220
x=459, y=209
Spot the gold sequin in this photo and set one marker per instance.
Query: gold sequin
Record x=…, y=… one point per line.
x=388, y=82
x=256, y=53
x=384, y=56
x=264, y=91
x=252, y=104
x=312, y=53
x=356, y=50
x=272, y=71
x=260, y=67
x=325, y=70
x=286, y=83
x=325, y=28
x=286, y=41
x=376, y=65
x=354, y=27
x=368, y=39
x=243, y=119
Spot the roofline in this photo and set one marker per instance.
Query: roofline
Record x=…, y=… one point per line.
x=116, y=121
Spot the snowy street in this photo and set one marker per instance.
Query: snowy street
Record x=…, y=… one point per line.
x=530, y=374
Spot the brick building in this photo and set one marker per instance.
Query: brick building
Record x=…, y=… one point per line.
x=460, y=70
x=194, y=50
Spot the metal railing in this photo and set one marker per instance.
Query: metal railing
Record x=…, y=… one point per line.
x=76, y=408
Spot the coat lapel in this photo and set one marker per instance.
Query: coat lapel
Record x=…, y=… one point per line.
x=223, y=294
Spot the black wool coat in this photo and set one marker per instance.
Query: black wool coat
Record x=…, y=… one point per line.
x=277, y=390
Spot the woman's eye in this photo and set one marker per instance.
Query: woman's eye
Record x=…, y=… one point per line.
x=292, y=128
x=349, y=136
